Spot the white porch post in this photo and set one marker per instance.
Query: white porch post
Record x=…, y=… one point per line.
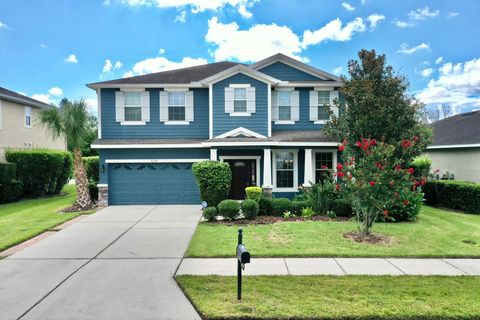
x=213, y=154
x=267, y=168
x=308, y=174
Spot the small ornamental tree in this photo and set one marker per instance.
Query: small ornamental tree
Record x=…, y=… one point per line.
x=213, y=179
x=375, y=179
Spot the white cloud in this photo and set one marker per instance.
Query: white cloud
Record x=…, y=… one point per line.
x=71, y=59
x=161, y=51
x=46, y=98
x=158, y=64
x=253, y=44
x=92, y=105
x=427, y=72
x=457, y=85
x=117, y=65
x=55, y=91
x=197, y=6
x=3, y=25
x=106, y=2
x=338, y=71
x=423, y=13
x=404, y=48
x=108, y=66
x=181, y=17
x=348, y=6
x=439, y=60
x=374, y=19
x=403, y=24
x=333, y=31
x=452, y=14
x=43, y=45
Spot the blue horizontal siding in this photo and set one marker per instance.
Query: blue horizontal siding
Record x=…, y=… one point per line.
x=304, y=123
x=155, y=129
x=285, y=72
x=257, y=122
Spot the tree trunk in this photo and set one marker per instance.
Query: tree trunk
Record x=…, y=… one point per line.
x=83, y=194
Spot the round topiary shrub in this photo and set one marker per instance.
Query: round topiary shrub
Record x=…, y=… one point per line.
x=210, y=213
x=229, y=209
x=298, y=206
x=254, y=193
x=250, y=209
x=265, y=206
x=213, y=179
x=280, y=206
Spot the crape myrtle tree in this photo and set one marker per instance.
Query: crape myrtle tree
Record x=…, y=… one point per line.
x=377, y=107
x=70, y=120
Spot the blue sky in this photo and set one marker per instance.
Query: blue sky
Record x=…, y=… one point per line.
x=50, y=49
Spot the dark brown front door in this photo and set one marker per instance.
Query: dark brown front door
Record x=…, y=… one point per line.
x=243, y=175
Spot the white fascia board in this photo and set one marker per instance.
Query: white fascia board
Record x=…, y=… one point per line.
x=241, y=131
x=209, y=144
x=454, y=146
x=153, y=160
x=145, y=85
x=295, y=64
x=146, y=146
x=326, y=84
x=239, y=69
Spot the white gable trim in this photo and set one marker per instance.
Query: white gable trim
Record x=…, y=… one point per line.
x=241, y=131
x=453, y=146
x=295, y=64
x=239, y=69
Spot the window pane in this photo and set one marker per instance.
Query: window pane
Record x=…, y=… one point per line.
x=284, y=161
x=27, y=121
x=133, y=114
x=323, y=162
x=323, y=112
x=176, y=98
x=284, y=113
x=323, y=97
x=240, y=106
x=285, y=179
x=283, y=98
x=132, y=99
x=176, y=113
x=239, y=94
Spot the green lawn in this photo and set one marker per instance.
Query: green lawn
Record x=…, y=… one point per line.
x=330, y=297
x=20, y=221
x=436, y=233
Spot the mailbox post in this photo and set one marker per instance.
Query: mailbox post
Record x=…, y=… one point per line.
x=243, y=257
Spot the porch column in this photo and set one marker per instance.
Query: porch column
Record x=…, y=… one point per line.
x=308, y=172
x=213, y=154
x=267, y=168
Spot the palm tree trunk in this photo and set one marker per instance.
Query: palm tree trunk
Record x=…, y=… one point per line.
x=83, y=194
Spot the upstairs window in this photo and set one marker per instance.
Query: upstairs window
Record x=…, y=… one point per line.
x=133, y=106
x=176, y=106
x=323, y=105
x=28, y=117
x=284, y=107
x=240, y=100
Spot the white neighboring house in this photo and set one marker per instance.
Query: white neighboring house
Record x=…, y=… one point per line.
x=19, y=124
x=456, y=146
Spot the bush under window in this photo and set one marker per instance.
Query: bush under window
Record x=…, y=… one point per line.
x=281, y=205
x=210, y=213
x=229, y=209
x=265, y=206
x=250, y=209
x=254, y=193
x=213, y=179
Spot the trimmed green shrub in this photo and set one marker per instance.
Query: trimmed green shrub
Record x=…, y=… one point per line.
x=280, y=205
x=43, y=172
x=254, y=193
x=250, y=209
x=210, y=213
x=421, y=165
x=91, y=165
x=342, y=208
x=265, y=206
x=213, y=179
x=298, y=206
x=10, y=187
x=453, y=194
x=229, y=209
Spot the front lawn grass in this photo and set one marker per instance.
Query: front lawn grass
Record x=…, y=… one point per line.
x=20, y=221
x=331, y=297
x=436, y=233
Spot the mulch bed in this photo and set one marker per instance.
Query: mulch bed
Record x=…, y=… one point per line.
x=372, y=239
x=273, y=219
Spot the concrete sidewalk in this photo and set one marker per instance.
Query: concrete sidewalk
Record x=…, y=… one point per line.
x=332, y=266
x=116, y=264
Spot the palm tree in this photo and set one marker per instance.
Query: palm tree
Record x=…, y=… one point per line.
x=70, y=121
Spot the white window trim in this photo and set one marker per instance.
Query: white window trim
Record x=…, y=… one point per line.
x=257, y=164
x=177, y=123
x=239, y=86
x=284, y=122
x=132, y=123
x=290, y=106
x=29, y=114
x=240, y=114
x=334, y=160
x=295, y=170
x=323, y=121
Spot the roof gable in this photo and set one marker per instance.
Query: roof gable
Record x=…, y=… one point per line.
x=240, y=68
x=461, y=129
x=285, y=72
x=20, y=98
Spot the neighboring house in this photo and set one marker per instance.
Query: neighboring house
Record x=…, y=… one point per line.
x=19, y=127
x=456, y=146
x=263, y=119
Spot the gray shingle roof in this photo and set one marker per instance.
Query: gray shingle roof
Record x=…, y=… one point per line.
x=126, y=142
x=20, y=98
x=184, y=75
x=460, y=129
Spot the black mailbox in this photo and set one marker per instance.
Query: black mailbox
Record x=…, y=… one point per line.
x=243, y=255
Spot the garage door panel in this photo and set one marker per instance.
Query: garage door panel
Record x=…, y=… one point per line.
x=152, y=184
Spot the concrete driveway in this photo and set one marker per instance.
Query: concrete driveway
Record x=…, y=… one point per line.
x=116, y=264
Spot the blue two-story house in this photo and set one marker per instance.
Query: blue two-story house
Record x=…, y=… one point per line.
x=263, y=119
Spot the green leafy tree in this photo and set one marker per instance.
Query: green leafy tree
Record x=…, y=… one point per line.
x=70, y=121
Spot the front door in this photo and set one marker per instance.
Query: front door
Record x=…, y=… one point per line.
x=243, y=175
